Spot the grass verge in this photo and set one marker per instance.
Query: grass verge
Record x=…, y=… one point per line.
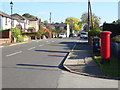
x=111, y=69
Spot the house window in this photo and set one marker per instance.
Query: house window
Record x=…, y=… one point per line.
x=28, y=22
x=6, y=21
x=12, y=23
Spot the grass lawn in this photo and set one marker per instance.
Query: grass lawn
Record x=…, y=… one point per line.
x=111, y=69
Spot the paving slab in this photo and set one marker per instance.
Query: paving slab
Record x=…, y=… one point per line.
x=80, y=61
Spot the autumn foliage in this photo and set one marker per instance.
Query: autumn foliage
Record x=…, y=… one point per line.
x=47, y=31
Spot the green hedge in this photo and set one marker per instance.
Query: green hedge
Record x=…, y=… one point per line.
x=113, y=27
x=116, y=38
x=94, y=33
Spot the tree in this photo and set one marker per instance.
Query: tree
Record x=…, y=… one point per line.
x=72, y=21
x=95, y=19
x=15, y=32
x=78, y=26
x=45, y=22
x=27, y=15
x=47, y=32
x=41, y=31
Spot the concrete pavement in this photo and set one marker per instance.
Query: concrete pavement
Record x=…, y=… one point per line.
x=80, y=61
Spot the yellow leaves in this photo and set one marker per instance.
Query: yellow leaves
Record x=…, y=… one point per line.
x=70, y=20
x=77, y=27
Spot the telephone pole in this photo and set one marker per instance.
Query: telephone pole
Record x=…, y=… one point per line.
x=50, y=17
x=90, y=17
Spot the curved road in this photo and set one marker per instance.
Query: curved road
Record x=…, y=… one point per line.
x=36, y=64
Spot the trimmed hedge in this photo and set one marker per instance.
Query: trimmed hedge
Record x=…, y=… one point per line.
x=94, y=33
x=113, y=27
x=116, y=38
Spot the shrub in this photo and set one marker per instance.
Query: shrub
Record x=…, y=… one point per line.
x=15, y=32
x=6, y=30
x=116, y=38
x=94, y=32
x=20, y=39
x=25, y=36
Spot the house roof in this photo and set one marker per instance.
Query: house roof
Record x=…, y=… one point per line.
x=49, y=25
x=4, y=14
x=60, y=24
x=32, y=19
x=17, y=16
x=57, y=24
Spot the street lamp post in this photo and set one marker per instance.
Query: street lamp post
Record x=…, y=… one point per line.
x=11, y=5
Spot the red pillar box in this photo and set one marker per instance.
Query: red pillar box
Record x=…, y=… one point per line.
x=105, y=46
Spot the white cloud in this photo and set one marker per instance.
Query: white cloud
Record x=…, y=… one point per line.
x=59, y=0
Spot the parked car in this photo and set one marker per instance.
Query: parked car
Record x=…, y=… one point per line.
x=84, y=35
x=62, y=35
x=72, y=35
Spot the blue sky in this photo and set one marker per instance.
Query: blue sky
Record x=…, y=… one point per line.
x=107, y=11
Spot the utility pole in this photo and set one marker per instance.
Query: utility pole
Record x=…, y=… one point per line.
x=88, y=15
x=91, y=16
x=50, y=17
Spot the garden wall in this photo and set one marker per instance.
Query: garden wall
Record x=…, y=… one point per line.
x=5, y=36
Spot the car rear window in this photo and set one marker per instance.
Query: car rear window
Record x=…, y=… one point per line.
x=83, y=33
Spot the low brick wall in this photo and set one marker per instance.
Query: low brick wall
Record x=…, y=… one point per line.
x=5, y=36
x=27, y=38
x=5, y=40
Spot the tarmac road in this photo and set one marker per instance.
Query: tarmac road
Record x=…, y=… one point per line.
x=36, y=64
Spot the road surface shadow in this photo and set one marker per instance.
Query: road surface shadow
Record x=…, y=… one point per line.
x=51, y=51
x=37, y=65
x=56, y=56
x=60, y=66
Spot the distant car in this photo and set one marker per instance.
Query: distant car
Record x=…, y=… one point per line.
x=84, y=35
x=72, y=35
x=62, y=35
x=75, y=35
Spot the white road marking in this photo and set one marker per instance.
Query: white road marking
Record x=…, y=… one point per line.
x=46, y=41
x=14, y=53
x=53, y=41
x=31, y=48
